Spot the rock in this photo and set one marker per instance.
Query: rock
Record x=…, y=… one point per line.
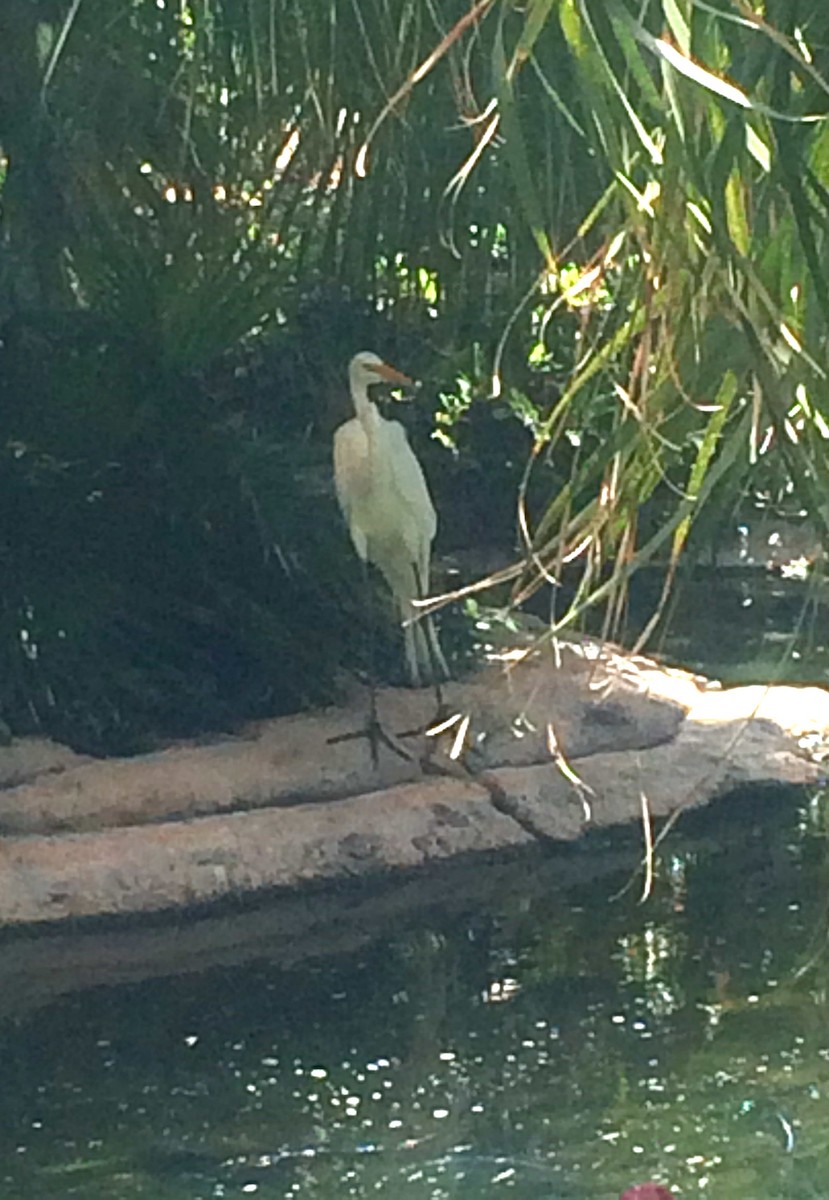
x=586, y=700
x=178, y=863
x=30, y=758
x=554, y=743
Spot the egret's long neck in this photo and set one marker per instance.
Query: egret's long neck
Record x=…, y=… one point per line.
x=365, y=410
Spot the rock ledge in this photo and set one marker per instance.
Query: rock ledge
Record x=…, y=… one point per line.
x=554, y=742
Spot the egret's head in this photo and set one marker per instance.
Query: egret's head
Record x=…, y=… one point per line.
x=367, y=368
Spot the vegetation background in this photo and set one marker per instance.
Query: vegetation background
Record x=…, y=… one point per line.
x=595, y=229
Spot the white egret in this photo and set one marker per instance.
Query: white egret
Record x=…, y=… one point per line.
x=386, y=503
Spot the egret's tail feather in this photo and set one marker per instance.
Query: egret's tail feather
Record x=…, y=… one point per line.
x=425, y=662
x=432, y=664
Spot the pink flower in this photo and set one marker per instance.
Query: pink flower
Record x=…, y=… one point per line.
x=647, y=1191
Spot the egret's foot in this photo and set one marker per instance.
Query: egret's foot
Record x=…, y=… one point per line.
x=377, y=736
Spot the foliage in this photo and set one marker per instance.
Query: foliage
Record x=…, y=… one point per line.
x=595, y=229
x=695, y=308
x=172, y=555
x=152, y=580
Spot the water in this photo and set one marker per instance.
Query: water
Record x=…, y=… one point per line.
x=524, y=1029
x=550, y=1037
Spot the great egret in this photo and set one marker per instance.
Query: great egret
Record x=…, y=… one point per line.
x=386, y=503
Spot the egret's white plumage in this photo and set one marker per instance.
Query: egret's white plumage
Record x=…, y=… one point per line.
x=386, y=503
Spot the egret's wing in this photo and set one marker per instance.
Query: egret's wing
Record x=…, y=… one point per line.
x=350, y=463
x=418, y=520
x=409, y=482
x=351, y=475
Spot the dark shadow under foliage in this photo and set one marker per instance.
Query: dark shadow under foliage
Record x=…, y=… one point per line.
x=171, y=563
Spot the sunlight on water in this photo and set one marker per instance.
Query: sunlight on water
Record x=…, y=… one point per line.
x=557, y=1044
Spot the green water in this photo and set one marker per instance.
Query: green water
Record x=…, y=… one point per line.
x=555, y=1039
x=525, y=1029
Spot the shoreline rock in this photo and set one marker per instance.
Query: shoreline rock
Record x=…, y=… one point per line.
x=557, y=740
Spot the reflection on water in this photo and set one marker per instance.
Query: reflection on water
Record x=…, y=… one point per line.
x=743, y=626
x=550, y=1043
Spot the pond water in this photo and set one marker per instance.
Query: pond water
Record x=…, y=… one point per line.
x=541, y=1035
x=555, y=1040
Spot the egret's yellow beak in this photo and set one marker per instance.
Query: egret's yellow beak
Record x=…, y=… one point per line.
x=390, y=374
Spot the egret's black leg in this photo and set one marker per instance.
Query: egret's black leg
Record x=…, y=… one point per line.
x=373, y=730
x=438, y=670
